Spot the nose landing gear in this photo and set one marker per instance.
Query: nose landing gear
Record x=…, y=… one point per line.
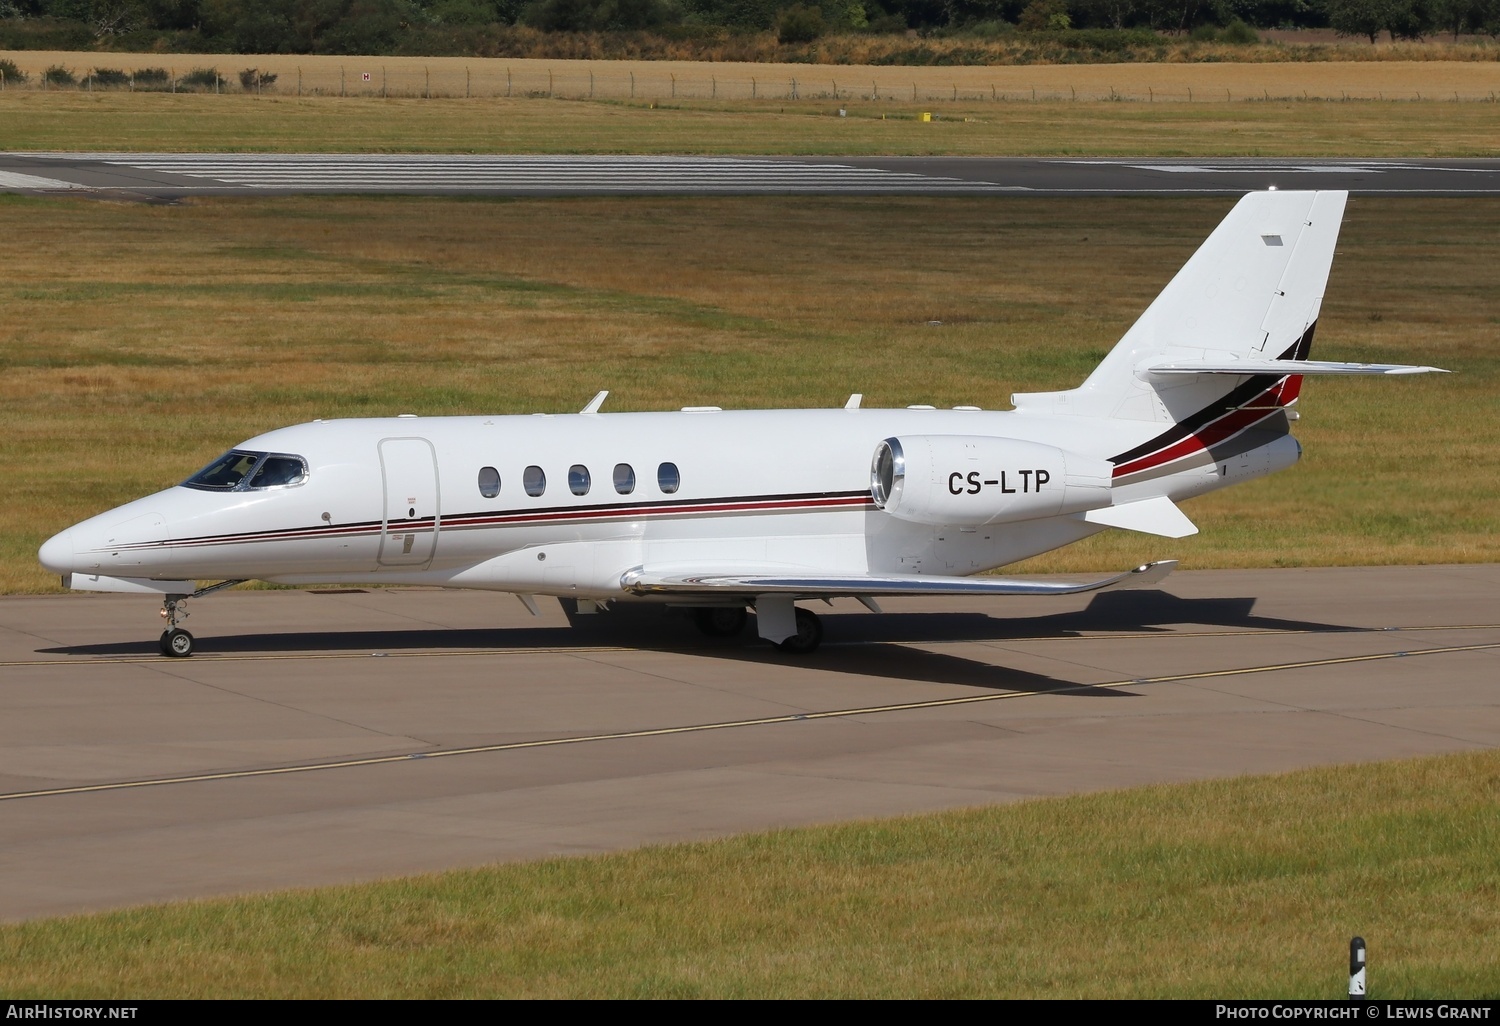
x=175, y=641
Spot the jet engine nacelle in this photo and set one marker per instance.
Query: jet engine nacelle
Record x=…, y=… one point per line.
x=973, y=480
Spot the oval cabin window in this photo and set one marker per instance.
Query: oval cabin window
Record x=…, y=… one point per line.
x=667, y=478
x=534, y=481
x=624, y=478
x=489, y=482
x=578, y=479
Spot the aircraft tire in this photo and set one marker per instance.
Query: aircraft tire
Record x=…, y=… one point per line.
x=720, y=621
x=177, y=643
x=808, y=637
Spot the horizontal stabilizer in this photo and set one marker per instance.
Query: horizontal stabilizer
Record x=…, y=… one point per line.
x=1278, y=367
x=642, y=581
x=1158, y=515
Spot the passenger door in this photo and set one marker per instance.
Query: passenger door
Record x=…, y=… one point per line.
x=412, y=519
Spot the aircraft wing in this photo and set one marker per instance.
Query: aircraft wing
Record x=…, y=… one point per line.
x=644, y=581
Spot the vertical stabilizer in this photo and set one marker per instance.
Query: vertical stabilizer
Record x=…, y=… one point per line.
x=1252, y=291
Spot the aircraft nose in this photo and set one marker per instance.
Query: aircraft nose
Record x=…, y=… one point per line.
x=56, y=553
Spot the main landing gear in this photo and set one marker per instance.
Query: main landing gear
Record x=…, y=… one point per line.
x=175, y=641
x=729, y=622
x=808, y=637
x=721, y=621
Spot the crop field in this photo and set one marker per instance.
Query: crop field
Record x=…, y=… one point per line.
x=478, y=77
x=1246, y=888
x=140, y=341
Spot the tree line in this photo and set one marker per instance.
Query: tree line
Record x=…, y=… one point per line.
x=416, y=26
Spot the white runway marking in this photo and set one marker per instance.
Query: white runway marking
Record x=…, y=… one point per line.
x=15, y=180
x=336, y=172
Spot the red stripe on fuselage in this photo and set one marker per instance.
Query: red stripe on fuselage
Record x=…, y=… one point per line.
x=1216, y=431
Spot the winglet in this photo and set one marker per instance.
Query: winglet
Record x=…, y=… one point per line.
x=595, y=403
x=855, y=398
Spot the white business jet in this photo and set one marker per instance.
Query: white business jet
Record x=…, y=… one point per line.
x=724, y=511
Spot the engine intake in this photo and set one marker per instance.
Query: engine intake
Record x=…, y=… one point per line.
x=973, y=480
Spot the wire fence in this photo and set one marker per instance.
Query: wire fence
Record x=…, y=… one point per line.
x=582, y=80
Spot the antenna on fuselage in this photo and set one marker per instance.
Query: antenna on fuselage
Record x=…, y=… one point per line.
x=595, y=403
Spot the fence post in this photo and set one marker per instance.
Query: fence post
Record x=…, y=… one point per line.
x=341, y=80
x=466, y=82
x=874, y=89
x=507, y=82
x=835, y=89
x=591, y=83
x=382, y=82
x=913, y=92
x=715, y=93
x=674, y=85
x=2, y=80
x=299, y=81
x=88, y=82
x=794, y=88
x=426, y=82
x=632, y=85
x=752, y=87
x=172, y=72
x=549, y=83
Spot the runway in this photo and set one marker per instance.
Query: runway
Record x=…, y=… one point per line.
x=344, y=735
x=165, y=177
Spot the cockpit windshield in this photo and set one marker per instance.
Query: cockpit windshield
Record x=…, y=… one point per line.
x=226, y=473
x=240, y=471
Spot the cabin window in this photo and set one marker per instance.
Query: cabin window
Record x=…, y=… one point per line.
x=624, y=478
x=667, y=478
x=225, y=473
x=578, y=479
x=279, y=472
x=534, y=481
x=489, y=482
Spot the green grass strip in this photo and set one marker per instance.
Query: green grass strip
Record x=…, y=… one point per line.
x=1237, y=888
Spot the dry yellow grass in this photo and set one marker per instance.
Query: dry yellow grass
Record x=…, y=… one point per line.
x=684, y=80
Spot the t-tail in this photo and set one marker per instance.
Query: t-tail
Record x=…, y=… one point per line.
x=1212, y=367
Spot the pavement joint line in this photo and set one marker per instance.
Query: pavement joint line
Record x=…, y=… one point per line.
x=759, y=721
x=428, y=653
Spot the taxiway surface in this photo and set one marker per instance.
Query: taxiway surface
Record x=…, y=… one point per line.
x=339, y=735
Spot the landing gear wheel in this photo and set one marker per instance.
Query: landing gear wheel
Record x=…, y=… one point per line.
x=177, y=643
x=720, y=621
x=808, y=637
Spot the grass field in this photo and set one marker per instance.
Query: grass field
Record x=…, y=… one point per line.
x=1257, y=127
x=140, y=341
x=1243, y=888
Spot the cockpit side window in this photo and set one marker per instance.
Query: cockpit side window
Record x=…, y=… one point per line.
x=226, y=473
x=279, y=472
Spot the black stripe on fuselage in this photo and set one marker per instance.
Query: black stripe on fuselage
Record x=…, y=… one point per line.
x=544, y=514
x=1236, y=397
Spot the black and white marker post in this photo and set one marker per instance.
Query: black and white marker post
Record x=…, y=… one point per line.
x=1357, y=969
